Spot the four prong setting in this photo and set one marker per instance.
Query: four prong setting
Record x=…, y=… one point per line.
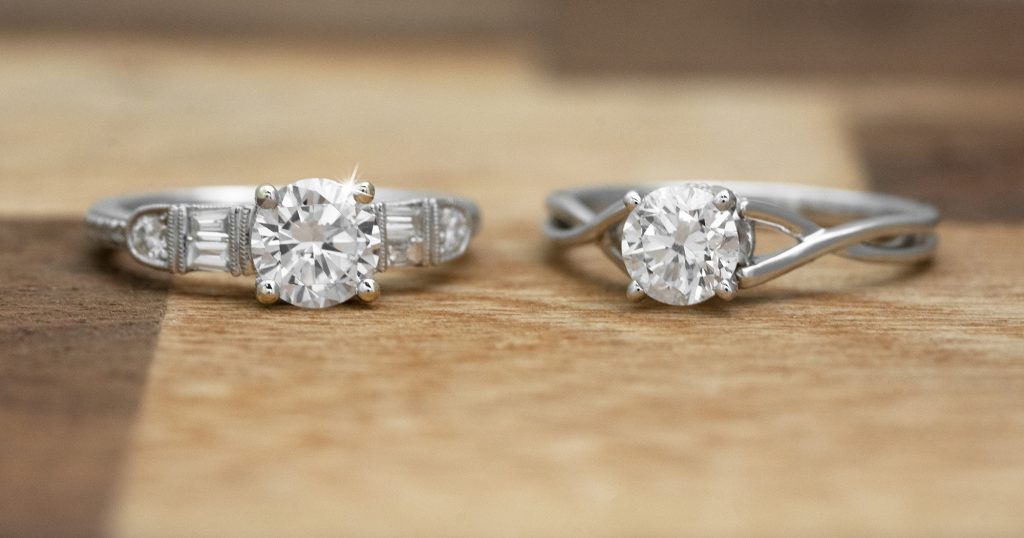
x=683, y=244
x=316, y=242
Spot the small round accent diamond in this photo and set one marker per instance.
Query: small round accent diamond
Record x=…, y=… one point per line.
x=455, y=233
x=679, y=246
x=317, y=243
x=148, y=238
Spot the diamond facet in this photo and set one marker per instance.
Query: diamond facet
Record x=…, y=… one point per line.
x=679, y=246
x=317, y=244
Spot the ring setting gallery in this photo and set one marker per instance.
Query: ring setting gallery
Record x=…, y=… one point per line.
x=684, y=243
x=314, y=243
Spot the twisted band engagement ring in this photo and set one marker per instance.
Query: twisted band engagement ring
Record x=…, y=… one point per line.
x=683, y=243
x=314, y=243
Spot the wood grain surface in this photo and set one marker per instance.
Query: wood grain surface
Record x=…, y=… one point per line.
x=515, y=392
x=77, y=334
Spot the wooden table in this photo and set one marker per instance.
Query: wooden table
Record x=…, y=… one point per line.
x=516, y=392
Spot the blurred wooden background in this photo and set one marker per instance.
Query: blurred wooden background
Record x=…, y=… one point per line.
x=980, y=37
x=516, y=392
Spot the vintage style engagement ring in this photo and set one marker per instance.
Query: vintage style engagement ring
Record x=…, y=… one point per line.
x=683, y=243
x=314, y=243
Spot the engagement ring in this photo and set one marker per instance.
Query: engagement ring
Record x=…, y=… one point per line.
x=314, y=243
x=687, y=242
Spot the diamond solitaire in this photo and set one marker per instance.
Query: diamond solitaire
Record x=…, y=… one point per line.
x=314, y=242
x=682, y=244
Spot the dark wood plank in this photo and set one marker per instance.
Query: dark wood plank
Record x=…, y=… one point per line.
x=76, y=340
x=793, y=36
x=971, y=171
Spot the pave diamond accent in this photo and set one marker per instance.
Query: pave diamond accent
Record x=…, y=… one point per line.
x=317, y=244
x=679, y=247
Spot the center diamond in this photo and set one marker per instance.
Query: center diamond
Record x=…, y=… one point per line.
x=679, y=246
x=317, y=244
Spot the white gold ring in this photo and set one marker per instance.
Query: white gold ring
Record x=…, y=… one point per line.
x=314, y=243
x=683, y=243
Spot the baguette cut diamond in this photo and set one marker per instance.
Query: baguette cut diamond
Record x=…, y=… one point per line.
x=207, y=245
x=317, y=244
x=680, y=247
x=406, y=225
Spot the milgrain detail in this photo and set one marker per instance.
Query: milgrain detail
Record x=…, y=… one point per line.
x=232, y=229
x=432, y=232
x=177, y=238
x=244, y=221
x=239, y=225
x=381, y=211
